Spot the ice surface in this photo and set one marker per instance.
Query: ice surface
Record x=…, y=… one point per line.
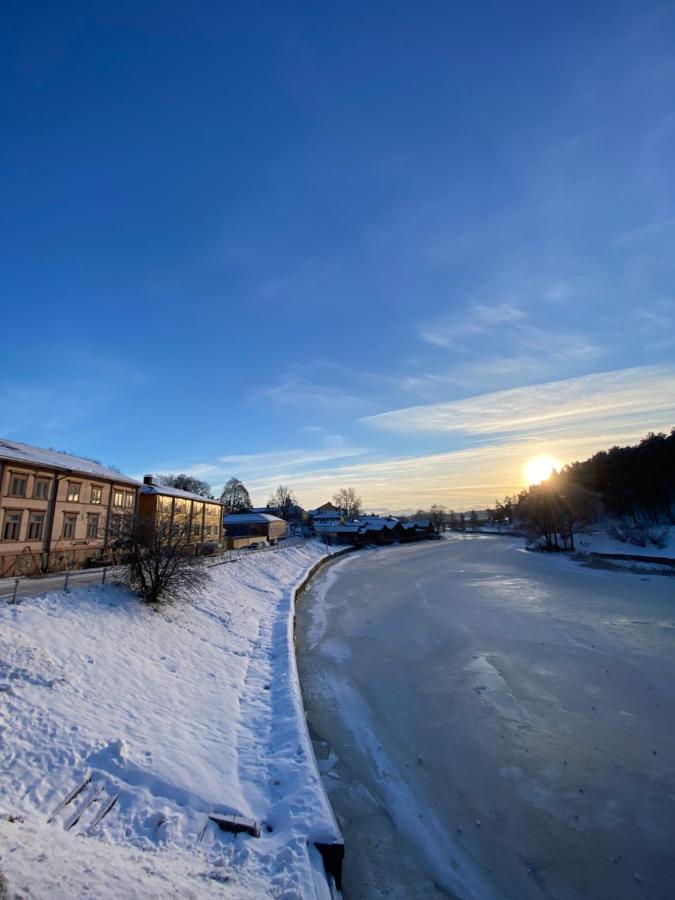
x=504, y=721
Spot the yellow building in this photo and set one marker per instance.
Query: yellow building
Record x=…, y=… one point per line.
x=57, y=511
x=202, y=517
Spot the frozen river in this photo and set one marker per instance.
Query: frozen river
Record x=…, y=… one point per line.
x=494, y=723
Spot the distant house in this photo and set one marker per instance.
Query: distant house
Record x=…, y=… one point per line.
x=373, y=529
x=249, y=527
x=202, y=517
x=290, y=512
x=56, y=510
x=324, y=515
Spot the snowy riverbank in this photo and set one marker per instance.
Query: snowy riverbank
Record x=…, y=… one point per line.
x=181, y=711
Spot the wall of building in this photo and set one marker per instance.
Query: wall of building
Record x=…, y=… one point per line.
x=80, y=512
x=205, y=518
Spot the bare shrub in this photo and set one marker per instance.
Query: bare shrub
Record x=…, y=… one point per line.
x=161, y=558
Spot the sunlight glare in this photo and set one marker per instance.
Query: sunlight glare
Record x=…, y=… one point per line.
x=539, y=468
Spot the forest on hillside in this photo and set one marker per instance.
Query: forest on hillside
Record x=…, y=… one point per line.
x=634, y=486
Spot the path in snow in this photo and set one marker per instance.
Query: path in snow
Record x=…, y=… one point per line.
x=494, y=723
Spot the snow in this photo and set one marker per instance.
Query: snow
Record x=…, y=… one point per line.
x=18, y=452
x=601, y=542
x=250, y=518
x=185, y=710
x=167, y=491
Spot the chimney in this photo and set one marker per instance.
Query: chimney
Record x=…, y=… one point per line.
x=148, y=479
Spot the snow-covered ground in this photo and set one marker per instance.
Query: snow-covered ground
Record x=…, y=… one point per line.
x=182, y=711
x=494, y=723
x=601, y=541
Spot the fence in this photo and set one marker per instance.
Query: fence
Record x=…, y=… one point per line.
x=13, y=588
x=233, y=555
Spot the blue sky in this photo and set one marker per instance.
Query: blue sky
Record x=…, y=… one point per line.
x=313, y=242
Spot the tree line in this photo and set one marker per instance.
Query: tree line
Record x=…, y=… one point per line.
x=634, y=483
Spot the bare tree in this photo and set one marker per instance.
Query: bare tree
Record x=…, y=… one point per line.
x=283, y=499
x=348, y=501
x=437, y=517
x=186, y=483
x=160, y=556
x=235, y=496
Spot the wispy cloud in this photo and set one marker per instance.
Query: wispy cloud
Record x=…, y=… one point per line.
x=263, y=471
x=510, y=327
x=642, y=392
x=569, y=419
x=301, y=391
x=460, y=479
x=451, y=331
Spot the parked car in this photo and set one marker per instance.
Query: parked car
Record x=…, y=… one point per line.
x=208, y=548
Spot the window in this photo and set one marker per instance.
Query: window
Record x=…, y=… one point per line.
x=74, y=491
x=17, y=485
x=92, y=526
x=129, y=501
x=35, y=525
x=115, y=526
x=180, y=506
x=12, y=526
x=118, y=498
x=41, y=489
x=69, y=522
x=96, y=493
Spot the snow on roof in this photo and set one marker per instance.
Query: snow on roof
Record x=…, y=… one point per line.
x=166, y=491
x=250, y=518
x=376, y=520
x=376, y=526
x=17, y=452
x=337, y=526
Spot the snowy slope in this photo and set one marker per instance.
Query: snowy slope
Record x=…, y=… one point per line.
x=601, y=541
x=183, y=711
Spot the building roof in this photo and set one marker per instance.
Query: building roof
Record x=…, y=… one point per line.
x=338, y=526
x=53, y=459
x=377, y=520
x=166, y=491
x=250, y=518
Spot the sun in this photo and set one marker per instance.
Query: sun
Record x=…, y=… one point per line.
x=539, y=468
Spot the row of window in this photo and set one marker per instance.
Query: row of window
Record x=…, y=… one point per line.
x=18, y=487
x=11, y=528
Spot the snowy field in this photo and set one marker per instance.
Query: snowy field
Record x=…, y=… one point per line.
x=494, y=723
x=180, y=711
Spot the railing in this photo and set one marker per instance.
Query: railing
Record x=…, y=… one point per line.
x=238, y=552
x=13, y=588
